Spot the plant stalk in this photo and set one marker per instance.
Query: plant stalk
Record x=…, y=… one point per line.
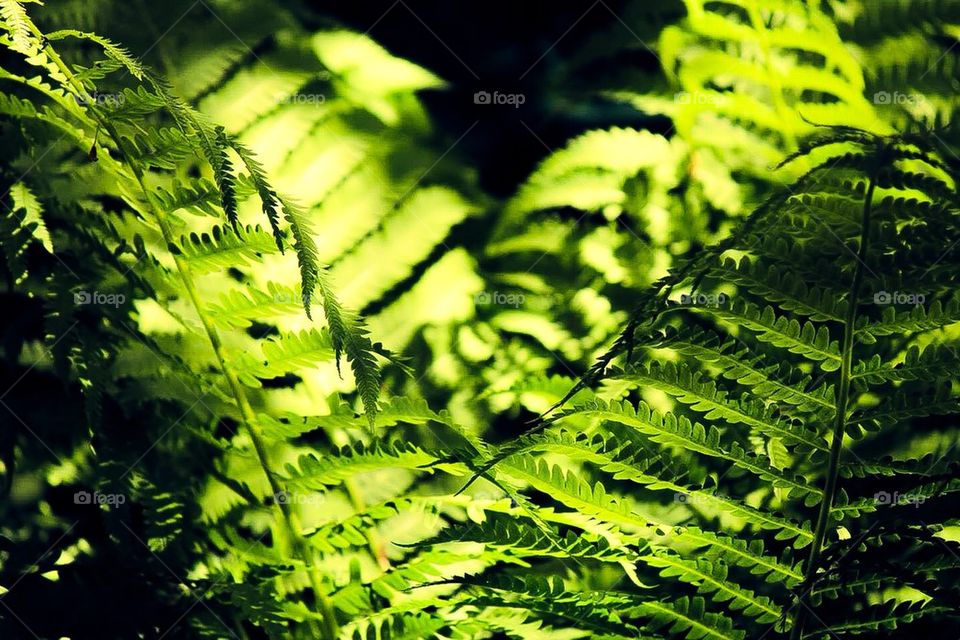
x=843, y=400
x=291, y=523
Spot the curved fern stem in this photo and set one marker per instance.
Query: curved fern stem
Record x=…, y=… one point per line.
x=289, y=519
x=843, y=399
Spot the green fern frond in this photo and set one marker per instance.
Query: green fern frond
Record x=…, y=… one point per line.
x=283, y=355
x=216, y=155
x=918, y=319
x=933, y=361
x=941, y=400
x=163, y=149
x=671, y=430
x=806, y=339
x=884, y=19
x=576, y=493
x=21, y=235
x=781, y=383
x=223, y=248
x=349, y=336
x=420, y=223
x=712, y=578
x=690, y=617
x=618, y=453
x=307, y=257
x=269, y=199
x=506, y=533
x=742, y=553
x=703, y=396
x=114, y=51
x=197, y=196
x=889, y=617
x=591, y=611
x=24, y=200
x=240, y=308
x=16, y=23
x=316, y=473
x=787, y=289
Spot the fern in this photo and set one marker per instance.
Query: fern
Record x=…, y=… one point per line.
x=746, y=419
x=760, y=327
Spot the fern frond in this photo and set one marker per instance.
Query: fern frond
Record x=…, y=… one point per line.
x=216, y=155
x=223, y=248
x=509, y=535
x=742, y=553
x=197, y=196
x=349, y=336
x=668, y=429
x=689, y=616
x=806, y=339
x=918, y=319
x=421, y=223
x=782, y=384
x=934, y=361
x=313, y=472
x=901, y=407
x=24, y=200
x=163, y=149
x=711, y=578
x=307, y=256
x=682, y=384
x=283, y=355
x=114, y=51
x=619, y=454
x=593, y=610
x=875, y=22
x=791, y=292
x=890, y=616
x=17, y=23
x=240, y=308
x=20, y=236
x=576, y=493
x=270, y=201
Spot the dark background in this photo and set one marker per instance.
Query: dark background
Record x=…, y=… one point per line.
x=557, y=54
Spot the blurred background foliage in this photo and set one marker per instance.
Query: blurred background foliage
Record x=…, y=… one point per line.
x=496, y=250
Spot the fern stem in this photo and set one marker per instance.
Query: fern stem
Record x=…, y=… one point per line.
x=248, y=417
x=843, y=399
x=288, y=517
